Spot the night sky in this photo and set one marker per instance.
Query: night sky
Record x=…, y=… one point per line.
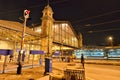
x=95, y=19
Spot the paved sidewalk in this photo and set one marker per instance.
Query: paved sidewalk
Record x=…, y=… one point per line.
x=59, y=67
x=37, y=72
x=44, y=78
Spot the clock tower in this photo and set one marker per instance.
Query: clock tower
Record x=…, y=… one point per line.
x=46, y=28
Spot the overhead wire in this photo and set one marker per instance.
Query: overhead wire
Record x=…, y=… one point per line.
x=97, y=24
x=108, y=13
x=108, y=22
x=103, y=30
x=92, y=17
x=18, y=9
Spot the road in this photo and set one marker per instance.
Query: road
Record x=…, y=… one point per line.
x=102, y=72
x=93, y=71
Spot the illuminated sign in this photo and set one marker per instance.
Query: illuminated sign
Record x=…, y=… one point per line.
x=36, y=52
x=6, y=52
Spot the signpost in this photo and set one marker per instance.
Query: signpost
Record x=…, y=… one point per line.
x=5, y=52
x=4, y=64
x=26, y=16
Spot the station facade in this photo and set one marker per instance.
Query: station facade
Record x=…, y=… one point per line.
x=52, y=35
x=59, y=35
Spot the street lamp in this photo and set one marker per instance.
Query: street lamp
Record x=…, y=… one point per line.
x=26, y=16
x=110, y=38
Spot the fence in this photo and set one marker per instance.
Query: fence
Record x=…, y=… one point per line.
x=74, y=74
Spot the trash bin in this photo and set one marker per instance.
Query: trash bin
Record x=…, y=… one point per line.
x=48, y=65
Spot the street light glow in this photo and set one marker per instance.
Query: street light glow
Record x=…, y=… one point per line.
x=110, y=38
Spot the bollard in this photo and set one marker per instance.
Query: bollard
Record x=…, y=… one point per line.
x=19, y=69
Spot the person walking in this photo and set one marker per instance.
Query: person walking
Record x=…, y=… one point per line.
x=11, y=58
x=23, y=57
x=82, y=60
x=40, y=61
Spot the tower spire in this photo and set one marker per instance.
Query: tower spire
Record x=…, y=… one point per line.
x=48, y=2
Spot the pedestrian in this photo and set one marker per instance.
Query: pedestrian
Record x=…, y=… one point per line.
x=40, y=60
x=23, y=57
x=82, y=60
x=11, y=58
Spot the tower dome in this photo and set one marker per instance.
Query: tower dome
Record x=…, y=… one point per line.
x=48, y=11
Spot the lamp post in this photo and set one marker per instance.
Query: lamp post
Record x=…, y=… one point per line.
x=26, y=16
x=110, y=38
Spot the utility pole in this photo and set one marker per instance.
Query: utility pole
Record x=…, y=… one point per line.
x=26, y=16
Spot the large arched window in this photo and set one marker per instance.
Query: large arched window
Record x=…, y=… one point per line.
x=63, y=33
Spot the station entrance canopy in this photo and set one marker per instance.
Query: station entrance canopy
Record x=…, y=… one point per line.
x=12, y=31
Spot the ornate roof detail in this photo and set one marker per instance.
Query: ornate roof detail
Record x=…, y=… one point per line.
x=48, y=8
